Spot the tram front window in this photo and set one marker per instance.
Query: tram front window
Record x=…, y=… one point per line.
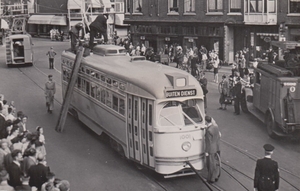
x=176, y=113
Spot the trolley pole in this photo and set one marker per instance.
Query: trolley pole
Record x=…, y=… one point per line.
x=192, y=167
x=69, y=92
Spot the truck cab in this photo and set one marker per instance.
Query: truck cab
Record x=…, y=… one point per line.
x=19, y=49
x=275, y=95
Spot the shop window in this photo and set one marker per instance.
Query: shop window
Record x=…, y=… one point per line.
x=189, y=6
x=173, y=6
x=256, y=6
x=215, y=5
x=127, y=6
x=137, y=6
x=294, y=6
x=235, y=6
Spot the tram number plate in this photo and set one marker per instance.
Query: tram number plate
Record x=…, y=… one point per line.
x=181, y=93
x=185, y=136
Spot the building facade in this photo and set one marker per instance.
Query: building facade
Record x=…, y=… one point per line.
x=226, y=26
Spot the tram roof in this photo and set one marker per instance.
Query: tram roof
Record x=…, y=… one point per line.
x=147, y=75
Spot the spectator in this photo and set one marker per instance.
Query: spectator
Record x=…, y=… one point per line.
x=40, y=144
x=25, y=185
x=14, y=169
x=4, y=185
x=203, y=83
x=49, y=183
x=64, y=185
x=57, y=183
x=51, y=54
x=143, y=50
x=4, y=150
x=12, y=105
x=50, y=90
x=10, y=115
x=28, y=161
x=4, y=108
x=38, y=173
x=237, y=96
x=194, y=62
x=22, y=125
x=179, y=57
x=224, y=92
x=14, y=133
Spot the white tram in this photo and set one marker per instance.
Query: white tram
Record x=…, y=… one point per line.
x=153, y=113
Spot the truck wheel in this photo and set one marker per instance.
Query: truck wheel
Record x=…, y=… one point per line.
x=271, y=126
x=244, y=102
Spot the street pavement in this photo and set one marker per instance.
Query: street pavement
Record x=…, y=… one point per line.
x=83, y=158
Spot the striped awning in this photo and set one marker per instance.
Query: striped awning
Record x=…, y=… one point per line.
x=48, y=20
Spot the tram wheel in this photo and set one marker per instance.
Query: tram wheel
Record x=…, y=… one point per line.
x=116, y=146
x=271, y=126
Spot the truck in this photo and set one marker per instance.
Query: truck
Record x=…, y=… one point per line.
x=274, y=97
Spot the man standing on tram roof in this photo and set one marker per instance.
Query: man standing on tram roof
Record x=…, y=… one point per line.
x=50, y=90
x=266, y=176
x=98, y=26
x=74, y=35
x=212, y=148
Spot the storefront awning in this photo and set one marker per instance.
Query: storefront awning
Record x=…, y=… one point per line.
x=286, y=44
x=47, y=20
x=119, y=20
x=4, y=24
x=267, y=34
x=40, y=19
x=59, y=20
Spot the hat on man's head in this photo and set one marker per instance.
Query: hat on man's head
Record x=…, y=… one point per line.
x=64, y=185
x=50, y=75
x=269, y=147
x=208, y=119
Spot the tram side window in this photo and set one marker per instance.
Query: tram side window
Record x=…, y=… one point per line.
x=98, y=96
x=83, y=85
x=65, y=74
x=115, y=103
x=87, y=87
x=122, y=106
x=150, y=115
x=79, y=82
x=108, y=98
x=93, y=90
x=258, y=77
x=103, y=96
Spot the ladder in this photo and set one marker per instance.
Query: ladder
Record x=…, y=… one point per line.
x=9, y=59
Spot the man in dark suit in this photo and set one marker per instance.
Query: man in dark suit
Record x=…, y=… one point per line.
x=237, y=96
x=28, y=161
x=38, y=173
x=98, y=26
x=266, y=176
x=14, y=169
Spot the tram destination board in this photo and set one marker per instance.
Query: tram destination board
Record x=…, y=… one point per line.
x=181, y=93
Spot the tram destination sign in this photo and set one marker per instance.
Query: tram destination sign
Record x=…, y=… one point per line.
x=181, y=93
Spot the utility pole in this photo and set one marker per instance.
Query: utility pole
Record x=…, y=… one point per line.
x=68, y=95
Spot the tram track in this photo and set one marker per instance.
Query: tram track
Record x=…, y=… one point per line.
x=254, y=158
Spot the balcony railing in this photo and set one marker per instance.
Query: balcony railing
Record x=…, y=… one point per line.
x=15, y=9
x=259, y=12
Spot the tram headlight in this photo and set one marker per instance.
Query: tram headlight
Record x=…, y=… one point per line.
x=186, y=146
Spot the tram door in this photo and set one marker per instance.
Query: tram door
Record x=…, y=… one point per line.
x=139, y=130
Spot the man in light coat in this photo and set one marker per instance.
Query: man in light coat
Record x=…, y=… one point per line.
x=50, y=90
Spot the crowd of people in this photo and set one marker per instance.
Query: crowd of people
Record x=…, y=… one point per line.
x=23, y=163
